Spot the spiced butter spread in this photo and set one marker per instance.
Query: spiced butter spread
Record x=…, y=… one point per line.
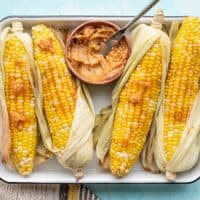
x=85, y=59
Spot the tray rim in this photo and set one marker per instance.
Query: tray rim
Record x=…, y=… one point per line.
x=92, y=16
x=84, y=16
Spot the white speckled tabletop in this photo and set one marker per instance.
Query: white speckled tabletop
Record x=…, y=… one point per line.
x=100, y=7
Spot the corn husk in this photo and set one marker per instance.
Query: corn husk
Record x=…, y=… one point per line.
x=78, y=152
x=42, y=154
x=187, y=152
x=100, y=120
x=142, y=39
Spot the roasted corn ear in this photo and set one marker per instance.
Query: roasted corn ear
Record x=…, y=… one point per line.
x=182, y=84
x=17, y=96
x=136, y=99
x=177, y=145
x=135, y=110
x=63, y=103
x=59, y=88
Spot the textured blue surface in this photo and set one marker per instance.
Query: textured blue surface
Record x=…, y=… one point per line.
x=94, y=7
x=114, y=7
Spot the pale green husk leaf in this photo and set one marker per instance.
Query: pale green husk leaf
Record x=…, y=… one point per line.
x=80, y=145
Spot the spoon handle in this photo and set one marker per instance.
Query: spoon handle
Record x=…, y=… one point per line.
x=145, y=10
x=114, y=39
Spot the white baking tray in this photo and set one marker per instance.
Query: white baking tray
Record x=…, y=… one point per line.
x=51, y=172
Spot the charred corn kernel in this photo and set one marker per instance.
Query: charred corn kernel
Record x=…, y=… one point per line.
x=182, y=83
x=135, y=111
x=20, y=105
x=59, y=88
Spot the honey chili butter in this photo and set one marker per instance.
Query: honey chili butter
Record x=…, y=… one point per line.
x=84, y=57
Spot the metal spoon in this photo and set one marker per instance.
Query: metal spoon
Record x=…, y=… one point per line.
x=115, y=38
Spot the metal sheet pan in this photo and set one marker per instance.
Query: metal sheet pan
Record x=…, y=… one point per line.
x=51, y=172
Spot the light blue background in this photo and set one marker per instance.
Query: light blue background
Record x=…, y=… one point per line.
x=114, y=7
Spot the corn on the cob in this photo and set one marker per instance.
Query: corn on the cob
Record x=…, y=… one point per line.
x=182, y=84
x=59, y=88
x=135, y=100
x=20, y=104
x=135, y=111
